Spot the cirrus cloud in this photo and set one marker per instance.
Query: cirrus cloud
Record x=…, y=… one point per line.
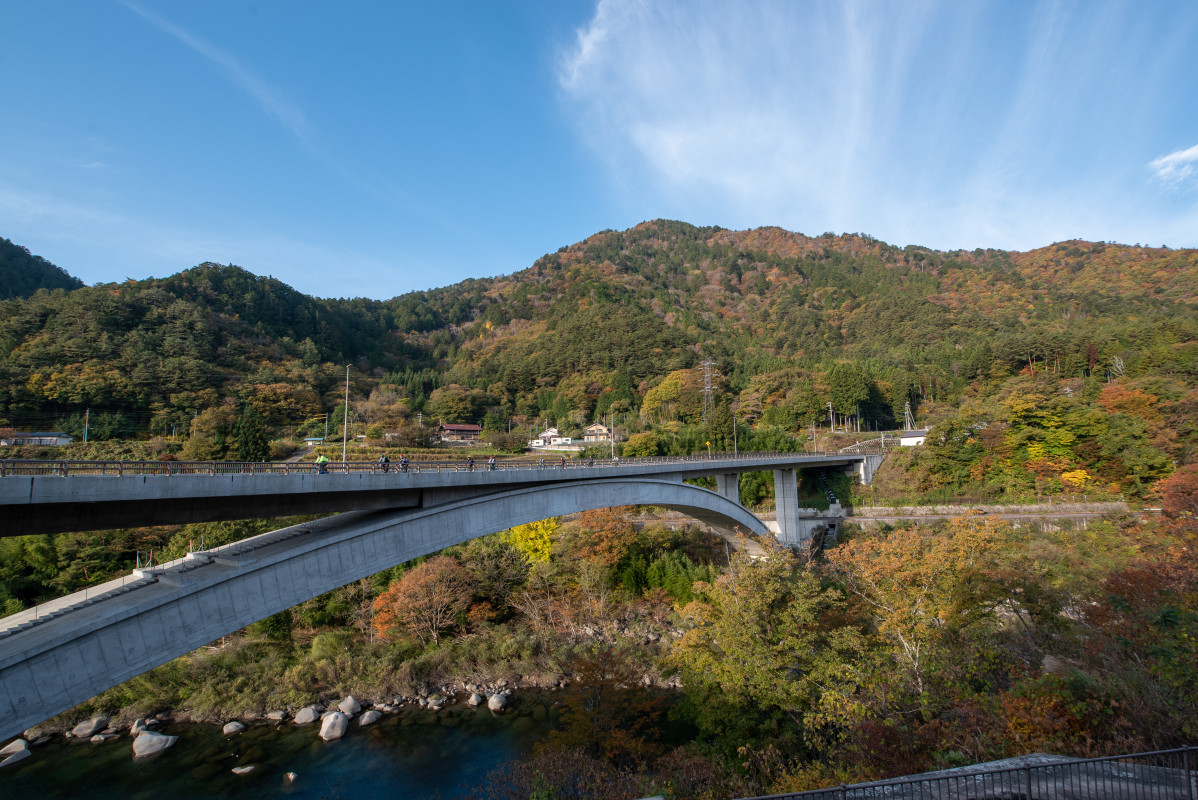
x=1180, y=166
x=940, y=123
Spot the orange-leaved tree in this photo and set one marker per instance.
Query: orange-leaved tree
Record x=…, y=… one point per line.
x=604, y=534
x=425, y=602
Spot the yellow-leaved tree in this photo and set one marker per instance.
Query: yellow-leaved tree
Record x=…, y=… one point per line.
x=534, y=540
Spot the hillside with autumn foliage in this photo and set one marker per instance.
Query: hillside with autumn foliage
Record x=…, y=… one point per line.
x=1070, y=368
x=1067, y=371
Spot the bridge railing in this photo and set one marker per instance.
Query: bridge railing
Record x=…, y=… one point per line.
x=67, y=468
x=1159, y=774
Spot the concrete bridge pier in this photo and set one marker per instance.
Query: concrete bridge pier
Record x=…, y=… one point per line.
x=786, y=505
x=728, y=486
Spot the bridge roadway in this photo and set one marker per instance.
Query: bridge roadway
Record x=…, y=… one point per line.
x=56, y=496
x=67, y=651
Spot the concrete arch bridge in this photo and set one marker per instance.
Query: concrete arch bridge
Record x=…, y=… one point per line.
x=67, y=651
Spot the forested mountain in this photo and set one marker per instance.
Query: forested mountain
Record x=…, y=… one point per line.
x=22, y=273
x=620, y=322
x=1067, y=370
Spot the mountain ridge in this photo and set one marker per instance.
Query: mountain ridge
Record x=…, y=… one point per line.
x=792, y=323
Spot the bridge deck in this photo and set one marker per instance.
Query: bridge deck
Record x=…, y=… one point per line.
x=57, y=496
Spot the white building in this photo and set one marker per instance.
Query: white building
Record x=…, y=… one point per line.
x=42, y=438
x=913, y=438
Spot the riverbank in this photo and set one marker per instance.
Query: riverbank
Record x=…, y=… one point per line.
x=410, y=753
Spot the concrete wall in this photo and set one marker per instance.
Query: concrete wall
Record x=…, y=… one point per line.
x=47, y=668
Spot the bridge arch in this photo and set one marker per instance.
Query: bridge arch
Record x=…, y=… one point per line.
x=51, y=667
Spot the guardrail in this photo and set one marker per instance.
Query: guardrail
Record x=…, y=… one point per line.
x=1159, y=774
x=67, y=468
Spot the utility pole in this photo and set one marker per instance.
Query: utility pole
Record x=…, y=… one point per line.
x=908, y=417
x=87, y=415
x=325, y=440
x=831, y=418
x=735, y=449
x=345, y=422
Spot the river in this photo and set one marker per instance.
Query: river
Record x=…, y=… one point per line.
x=418, y=754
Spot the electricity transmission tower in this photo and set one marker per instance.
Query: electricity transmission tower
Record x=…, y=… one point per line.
x=708, y=402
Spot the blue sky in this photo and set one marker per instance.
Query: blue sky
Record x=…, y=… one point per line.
x=373, y=148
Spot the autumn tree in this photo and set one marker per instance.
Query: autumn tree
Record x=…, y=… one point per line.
x=768, y=650
x=919, y=585
x=1179, y=497
x=211, y=435
x=642, y=444
x=534, y=540
x=603, y=534
x=425, y=602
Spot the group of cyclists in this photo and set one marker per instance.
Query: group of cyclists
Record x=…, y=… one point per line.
x=384, y=463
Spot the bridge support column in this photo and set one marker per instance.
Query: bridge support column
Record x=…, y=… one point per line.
x=729, y=486
x=867, y=467
x=786, y=505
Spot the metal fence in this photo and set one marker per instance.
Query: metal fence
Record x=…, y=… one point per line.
x=1159, y=775
x=64, y=468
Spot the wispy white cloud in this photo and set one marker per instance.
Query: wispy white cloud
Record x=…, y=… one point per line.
x=268, y=97
x=934, y=122
x=1180, y=166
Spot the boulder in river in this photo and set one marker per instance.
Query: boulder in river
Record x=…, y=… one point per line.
x=138, y=726
x=232, y=728
x=289, y=777
x=349, y=706
x=475, y=699
x=334, y=726
x=306, y=715
x=243, y=770
x=20, y=755
x=89, y=728
x=369, y=717
x=277, y=716
x=148, y=742
x=14, y=747
x=496, y=702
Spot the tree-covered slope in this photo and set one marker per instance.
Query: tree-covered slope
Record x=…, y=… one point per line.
x=22, y=273
x=620, y=322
